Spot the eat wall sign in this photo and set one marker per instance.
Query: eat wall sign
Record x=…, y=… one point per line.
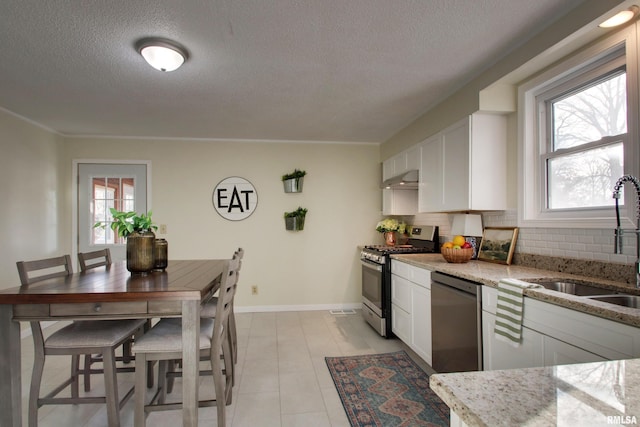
x=235, y=198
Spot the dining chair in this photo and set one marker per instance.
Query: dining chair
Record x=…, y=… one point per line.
x=210, y=308
x=208, y=311
x=88, y=261
x=164, y=343
x=94, y=259
x=76, y=339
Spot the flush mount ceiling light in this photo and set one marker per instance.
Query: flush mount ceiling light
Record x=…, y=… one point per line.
x=162, y=54
x=620, y=18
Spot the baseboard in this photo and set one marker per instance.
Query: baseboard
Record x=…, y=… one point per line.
x=26, y=332
x=312, y=307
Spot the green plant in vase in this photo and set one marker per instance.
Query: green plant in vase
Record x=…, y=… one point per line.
x=293, y=181
x=295, y=220
x=138, y=229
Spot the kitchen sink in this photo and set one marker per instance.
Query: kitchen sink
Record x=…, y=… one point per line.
x=568, y=286
x=632, y=301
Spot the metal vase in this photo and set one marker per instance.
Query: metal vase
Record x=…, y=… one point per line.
x=140, y=248
x=294, y=223
x=293, y=185
x=160, y=255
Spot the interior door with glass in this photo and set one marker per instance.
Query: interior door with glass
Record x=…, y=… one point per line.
x=102, y=186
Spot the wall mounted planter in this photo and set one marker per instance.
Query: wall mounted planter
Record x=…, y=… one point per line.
x=293, y=181
x=293, y=185
x=294, y=223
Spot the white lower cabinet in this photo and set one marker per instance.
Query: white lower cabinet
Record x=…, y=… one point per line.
x=411, y=307
x=554, y=335
x=421, y=321
x=557, y=352
x=498, y=354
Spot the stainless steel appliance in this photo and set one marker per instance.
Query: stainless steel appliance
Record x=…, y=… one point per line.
x=456, y=324
x=376, y=274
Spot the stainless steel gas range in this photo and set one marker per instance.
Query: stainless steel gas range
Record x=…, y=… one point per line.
x=376, y=274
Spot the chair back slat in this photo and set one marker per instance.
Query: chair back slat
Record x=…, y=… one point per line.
x=94, y=259
x=48, y=268
x=225, y=296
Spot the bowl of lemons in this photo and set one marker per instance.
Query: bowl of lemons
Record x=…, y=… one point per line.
x=458, y=250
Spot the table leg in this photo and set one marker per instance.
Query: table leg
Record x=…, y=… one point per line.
x=10, y=383
x=190, y=361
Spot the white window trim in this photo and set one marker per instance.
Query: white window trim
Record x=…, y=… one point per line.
x=531, y=213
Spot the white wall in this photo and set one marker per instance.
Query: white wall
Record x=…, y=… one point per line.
x=315, y=267
x=33, y=223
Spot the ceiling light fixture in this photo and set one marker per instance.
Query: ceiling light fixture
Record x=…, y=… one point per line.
x=620, y=18
x=162, y=54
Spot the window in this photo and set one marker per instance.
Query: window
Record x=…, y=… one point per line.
x=585, y=129
x=576, y=136
x=110, y=193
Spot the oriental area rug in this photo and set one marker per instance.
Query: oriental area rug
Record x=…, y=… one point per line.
x=386, y=390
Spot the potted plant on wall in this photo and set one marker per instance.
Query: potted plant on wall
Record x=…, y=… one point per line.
x=294, y=221
x=293, y=181
x=138, y=229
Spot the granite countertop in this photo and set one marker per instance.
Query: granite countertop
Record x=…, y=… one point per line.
x=587, y=394
x=489, y=274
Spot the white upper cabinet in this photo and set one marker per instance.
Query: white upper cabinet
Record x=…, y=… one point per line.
x=401, y=163
x=399, y=202
x=464, y=167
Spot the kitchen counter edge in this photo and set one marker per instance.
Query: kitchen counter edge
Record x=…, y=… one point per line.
x=489, y=274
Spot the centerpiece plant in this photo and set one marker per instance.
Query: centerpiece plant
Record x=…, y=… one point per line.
x=138, y=230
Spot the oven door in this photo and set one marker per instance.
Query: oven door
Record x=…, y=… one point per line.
x=372, y=274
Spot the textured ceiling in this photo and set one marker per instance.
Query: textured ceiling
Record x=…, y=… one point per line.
x=305, y=70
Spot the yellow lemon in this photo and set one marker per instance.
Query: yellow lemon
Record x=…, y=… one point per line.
x=458, y=240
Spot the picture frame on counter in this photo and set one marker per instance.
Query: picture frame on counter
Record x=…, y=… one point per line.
x=498, y=244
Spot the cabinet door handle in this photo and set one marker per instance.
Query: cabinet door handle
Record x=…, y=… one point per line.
x=97, y=308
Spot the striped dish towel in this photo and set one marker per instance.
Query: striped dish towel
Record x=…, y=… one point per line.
x=508, y=326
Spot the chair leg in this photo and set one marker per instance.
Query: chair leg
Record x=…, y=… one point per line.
x=75, y=374
x=162, y=381
x=171, y=367
x=150, y=380
x=219, y=384
x=34, y=392
x=111, y=387
x=229, y=370
x=140, y=393
x=126, y=351
x=87, y=371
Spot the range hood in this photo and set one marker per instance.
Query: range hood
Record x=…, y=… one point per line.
x=408, y=180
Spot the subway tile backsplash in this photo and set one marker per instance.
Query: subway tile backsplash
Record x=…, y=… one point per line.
x=577, y=243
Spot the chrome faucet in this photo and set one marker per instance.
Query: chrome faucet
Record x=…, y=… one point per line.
x=617, y=245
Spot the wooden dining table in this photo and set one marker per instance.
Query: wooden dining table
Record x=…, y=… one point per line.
x=108, y=293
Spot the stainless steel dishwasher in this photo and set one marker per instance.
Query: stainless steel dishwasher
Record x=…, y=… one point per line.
x=456, y=322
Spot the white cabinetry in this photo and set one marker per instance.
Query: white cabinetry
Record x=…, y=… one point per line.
x=464, y=167
x=554, y=335
x=411, y=307
x=401, y=163
x=399, y=202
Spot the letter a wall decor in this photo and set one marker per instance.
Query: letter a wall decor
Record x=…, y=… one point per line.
x=235, y=198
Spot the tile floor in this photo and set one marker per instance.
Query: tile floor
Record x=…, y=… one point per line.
x=282, y=378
